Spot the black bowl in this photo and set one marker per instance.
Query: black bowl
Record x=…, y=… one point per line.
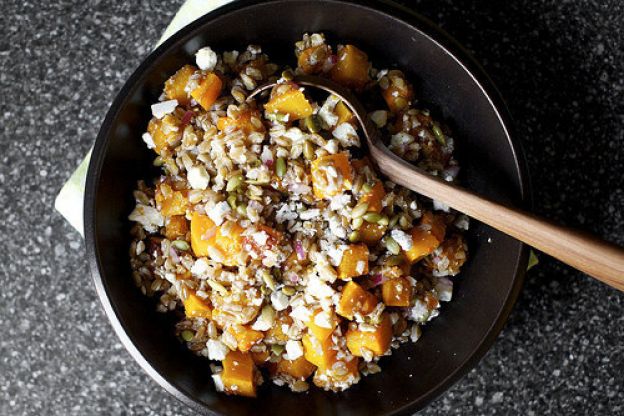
x=446, y=79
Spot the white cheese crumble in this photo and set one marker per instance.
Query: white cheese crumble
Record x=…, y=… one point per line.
x=444, y=287
x=439, y=206
x=359, y=267
x=148, y=217
x=199, y=267
x=294, y=350
x=260, y=237
x=149, y=141
x=218, y=211
x=206, y=58
x=159, y=110
x=309, y=214
x=218, y=382
x=217, y=350
x=301, y=313
x=285, y=213
x=335, y=254
x=323, y=319
x=403, y=238
x=279, y=300
x=419, y=312
x=197, y=177
x=326, y=113
x=346, y=134
x=318, y=288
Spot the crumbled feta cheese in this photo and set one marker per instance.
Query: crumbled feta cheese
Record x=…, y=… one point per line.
x=285, y=213
x=206, y=58
x=199, y=267
x=301, y=313
x=346, y=134
x=159, y=110
x=218, y=382
x=419, y=312
x=265, y=320
x=335, y=254
x=217, y=350
x=294, y=350
x=197, y=177
x=462, y=222
x=326, y=113
x=359, y=267
x=444, y=287
x=149, y=141
x=403, y=238
x=266, y=154
x=318, y=288
x=218, y=211
x=309, y=214
x=439, y=206
x=279, y=300
x=148, y=217
x=401, y=139
x=339, y=201
x=323, y=319
x=260, y=237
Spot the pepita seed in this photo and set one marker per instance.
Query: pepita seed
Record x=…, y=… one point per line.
x=187, y=335
x=357, y=223
x=181, y=245
x=312, y=124
x=367, y=187
x=280, y=167
x=392, y=246
x=268, y=280
x=277, y=349
x=231, y=200
x=359, y=210
x=158, y=162
x=405, y=222
x=288, y=290
x=384, y=220
x=395, y=260
x=217, y=287
x=288, y=75
x=234, y=183
x=437, y=132
x=354, y=236
x=242, y=210
x=393, y=221
x=372, y=217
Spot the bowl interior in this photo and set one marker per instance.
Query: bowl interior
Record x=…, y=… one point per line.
x=485, y=291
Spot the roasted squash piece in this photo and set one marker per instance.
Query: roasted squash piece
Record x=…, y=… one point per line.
x=176, y=84
x=208, y=90
x=171, y=202
x=377, y=341
x=238, y=374
x=344, y=370
x=354, y=262
x=209, y=240
x=426, y=237
x=260, y=358
x=399, y=92
x=247, y=121
x=320, y=353
x=370, y=233
x=321, y=332
x=176, y=227
x=397, y=292
x=331, y=175
x=352, y=67
x=375, y=197
x=344, y=114
x=299, y=369
x=195, y=307
x=245, y=336
x=276, y=332
x=312, y=59
x=291, y=102
x=354, y=299
x=165, y=132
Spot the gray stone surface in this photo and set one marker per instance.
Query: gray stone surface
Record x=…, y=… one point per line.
x=560, y=65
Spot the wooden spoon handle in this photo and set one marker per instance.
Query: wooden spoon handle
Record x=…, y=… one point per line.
x=599, y=259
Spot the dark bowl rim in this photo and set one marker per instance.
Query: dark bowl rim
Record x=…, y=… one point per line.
x=398, y=12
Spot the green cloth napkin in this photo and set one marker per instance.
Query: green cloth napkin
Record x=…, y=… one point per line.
x=69, y=201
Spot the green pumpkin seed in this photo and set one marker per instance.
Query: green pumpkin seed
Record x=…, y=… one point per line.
x=405, y=222
x=384, y=220
x=312, y=124
x=288, y=290
x=181, y=245
x=217, y=287
x=158, y=162
x=242, y=210
x=392, y=246
x=357, y=223
x=288, y=75
x=393, y=221
x=187, y=335
x=354, y=236
x=359, y=210
x=372, y=217
x=308, y=150
x=280, y=167
x=231, y=200
x=367, y=187
x=394, y=260
x=437, y=132
x=257, y=182
x=234, y=183
x=400, y=103
x=277, y=349
x=268, y=280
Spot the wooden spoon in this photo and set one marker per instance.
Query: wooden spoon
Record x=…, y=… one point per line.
x=598, y=258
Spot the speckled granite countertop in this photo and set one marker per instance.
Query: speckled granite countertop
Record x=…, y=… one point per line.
x=559, y=64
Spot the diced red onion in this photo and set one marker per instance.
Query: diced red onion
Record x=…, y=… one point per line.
x=301, y=254
x=174, y=255
x=293, y=277
x=186, y=119
x=378, y=279
x=269, y=163
x=450, y=172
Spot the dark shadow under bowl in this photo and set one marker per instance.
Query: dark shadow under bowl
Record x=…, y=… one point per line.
x=446, y=79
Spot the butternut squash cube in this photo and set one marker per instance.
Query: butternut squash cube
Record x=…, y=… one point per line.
x=374, y=197
x=426, y=237
x=398, y=97
x=354, y=262
x=208, y=240
x=342, y=371
x=208, y=90
x=312, y=59
x=370, y=233
x=164, y=132
x=176, y=227
x=299, y=369
x=176, y=84
x=260, y=357
x=242, y=122
x=245, y=336
x=174, y=203
x=344, y=114
x=321, y=332
x=276, y=332
x=238, y=374
x=331, y=175
x=195, y=307
x=352, y=67
x=292, y=102
x=397, y=292
x=354, y=299
x=377, y=341
x=320, y=353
